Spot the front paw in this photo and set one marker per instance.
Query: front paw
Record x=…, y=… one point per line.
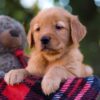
x=50, y=85
x=15, y=76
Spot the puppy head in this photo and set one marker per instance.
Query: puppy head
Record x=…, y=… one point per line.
x=53, y=30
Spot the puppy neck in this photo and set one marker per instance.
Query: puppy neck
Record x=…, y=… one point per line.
x=52, y=58
x=60, y=55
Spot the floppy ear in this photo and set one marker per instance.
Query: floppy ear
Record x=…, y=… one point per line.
x=30, y=39
x=78, y=31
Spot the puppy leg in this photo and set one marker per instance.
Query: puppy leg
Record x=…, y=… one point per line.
x=89, y=70
x=35, y=67
x=15, y=76
x=52, y=79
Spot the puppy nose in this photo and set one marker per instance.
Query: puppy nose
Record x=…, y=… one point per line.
x=45, y=39
x=14, y=33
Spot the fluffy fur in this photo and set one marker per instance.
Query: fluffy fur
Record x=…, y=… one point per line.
x=58, y=59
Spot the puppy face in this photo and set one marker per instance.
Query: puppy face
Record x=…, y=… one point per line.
x=53, y=31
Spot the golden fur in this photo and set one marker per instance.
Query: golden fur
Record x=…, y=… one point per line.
x=61, y=58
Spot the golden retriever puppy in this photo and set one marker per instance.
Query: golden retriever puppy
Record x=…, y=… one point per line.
x=56, y=34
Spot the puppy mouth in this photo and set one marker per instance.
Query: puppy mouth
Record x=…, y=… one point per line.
x=48, y=50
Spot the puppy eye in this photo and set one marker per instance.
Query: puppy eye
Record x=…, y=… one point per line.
x=59, y=27
x=37, y=29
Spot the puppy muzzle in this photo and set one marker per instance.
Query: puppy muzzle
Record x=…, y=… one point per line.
x=45, y=40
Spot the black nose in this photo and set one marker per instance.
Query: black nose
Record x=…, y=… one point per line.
x=14, y=33
x=45, y=39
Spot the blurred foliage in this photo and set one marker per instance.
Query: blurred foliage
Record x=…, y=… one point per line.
x=88, y=13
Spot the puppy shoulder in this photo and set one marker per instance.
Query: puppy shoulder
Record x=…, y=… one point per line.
x=37, y=56
x=76, y=54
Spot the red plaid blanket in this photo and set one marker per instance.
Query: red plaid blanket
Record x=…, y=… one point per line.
x=72, y=89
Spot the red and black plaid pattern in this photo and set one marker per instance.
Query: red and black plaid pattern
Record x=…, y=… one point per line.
x=72, y=89
x=79, y=89
x=21, y=57
x=29, y=89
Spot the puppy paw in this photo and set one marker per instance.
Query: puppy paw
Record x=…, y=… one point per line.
x=50, y=85
x=15, y=76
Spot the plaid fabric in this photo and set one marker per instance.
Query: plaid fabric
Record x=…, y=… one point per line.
x=72, y=89
x=21, y=57
x=30, y=89
x=79, y=89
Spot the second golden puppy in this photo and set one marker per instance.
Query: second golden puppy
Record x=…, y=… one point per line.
x=56, y=34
